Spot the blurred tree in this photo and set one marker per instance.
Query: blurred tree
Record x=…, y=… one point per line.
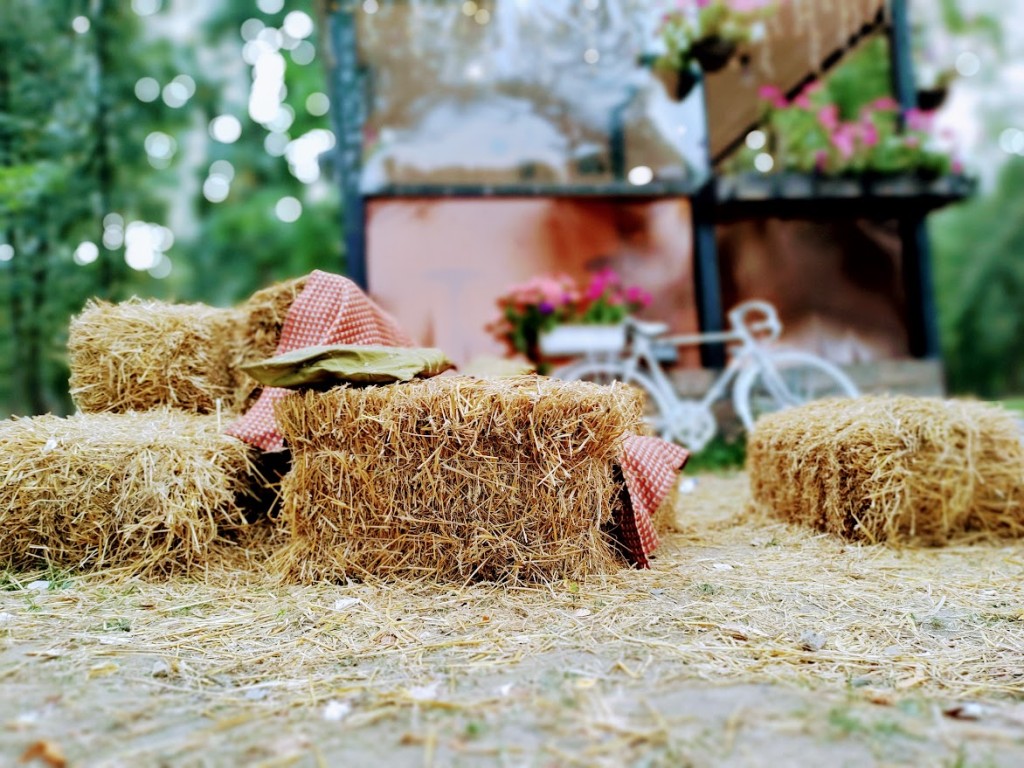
x=71, y=131
x=111, y=137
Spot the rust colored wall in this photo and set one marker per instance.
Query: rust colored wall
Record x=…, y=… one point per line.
x=439, y=265
x=836, y=284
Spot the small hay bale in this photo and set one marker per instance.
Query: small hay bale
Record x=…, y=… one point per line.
x=901, y=470
x=142, y=354
x=455, y=479
x=147, y=492
x=258, y=333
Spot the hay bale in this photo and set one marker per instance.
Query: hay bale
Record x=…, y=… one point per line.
x=891, y=469
x=257, y=335
x=148, y=492
x=142, y=354
x=455, y=478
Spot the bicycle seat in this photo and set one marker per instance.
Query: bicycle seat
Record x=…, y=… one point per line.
x=648, y=329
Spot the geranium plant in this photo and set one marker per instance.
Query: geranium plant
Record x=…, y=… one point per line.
x=810, y=134
x=708, y=31
x=542, y=303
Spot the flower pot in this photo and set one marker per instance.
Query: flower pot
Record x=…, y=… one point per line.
x=713, y=53
x=896, y=185
x=929, y=99
x=795, y=185
x=753, y=186
x=580, y=339
x=838, y=186
x=678, y=82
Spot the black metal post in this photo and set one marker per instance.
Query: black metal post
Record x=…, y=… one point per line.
x=706, y=277
x=349, y=115
x=918, y=290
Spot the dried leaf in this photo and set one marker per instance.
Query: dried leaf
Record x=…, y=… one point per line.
x=46, y=751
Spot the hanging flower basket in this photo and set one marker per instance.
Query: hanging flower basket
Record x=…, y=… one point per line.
x=930, y=99
x=713, y=53
x=678, y=82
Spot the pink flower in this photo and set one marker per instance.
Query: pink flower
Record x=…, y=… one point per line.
x=869, y=134
x=638, y=296
x=844, y=140
x=957, y=166
x=820, y=160
x=919, y=120
x=829, y=117
x=885, y=104
x=770, y=93
x=803, y=101
x=813, y=87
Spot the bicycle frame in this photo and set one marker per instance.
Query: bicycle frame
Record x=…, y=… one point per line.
x=749, y=349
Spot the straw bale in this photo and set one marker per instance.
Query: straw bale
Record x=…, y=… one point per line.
x=455, y=479
x=262, y=318
x=147, y=492
x=892, y=469
x=142, y=354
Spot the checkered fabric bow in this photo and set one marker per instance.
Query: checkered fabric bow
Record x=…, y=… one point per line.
x=333, y=310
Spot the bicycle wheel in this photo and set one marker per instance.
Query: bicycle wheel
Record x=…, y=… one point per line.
x=601, y=372
x=796, y=378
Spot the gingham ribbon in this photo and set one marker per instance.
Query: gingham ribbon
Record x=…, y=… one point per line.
x=333, y=310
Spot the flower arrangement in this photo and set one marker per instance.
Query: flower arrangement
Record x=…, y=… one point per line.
x=708, y=31
x=809, y=134
x=542, y=303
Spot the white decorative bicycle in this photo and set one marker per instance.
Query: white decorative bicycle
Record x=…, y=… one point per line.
x=763, y=379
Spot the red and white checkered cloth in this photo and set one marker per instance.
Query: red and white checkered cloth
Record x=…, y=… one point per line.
x=333, y=310
x=650, y=467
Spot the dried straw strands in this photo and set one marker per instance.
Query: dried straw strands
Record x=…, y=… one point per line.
x=147, y=492
x=891, y=469
x=143, y=354
x=455, y=478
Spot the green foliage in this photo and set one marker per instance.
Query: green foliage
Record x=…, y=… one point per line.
x=979, y=285
x=721, y=454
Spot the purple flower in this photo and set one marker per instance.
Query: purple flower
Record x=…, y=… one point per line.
x=545, y=308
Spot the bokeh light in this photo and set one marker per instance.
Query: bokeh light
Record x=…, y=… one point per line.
x=270, y=6
x=317, y=104
x=640, y=175
x=298, y=25
x=6, y=251
x=146, y=7
x=288, y=209
x=147, y=89
x=85, y=253
x=226, y=129
x=80, y=24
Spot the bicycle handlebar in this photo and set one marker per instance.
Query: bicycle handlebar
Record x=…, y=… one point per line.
x=740, y=318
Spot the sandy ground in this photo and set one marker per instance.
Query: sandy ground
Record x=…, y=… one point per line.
x=749, y=643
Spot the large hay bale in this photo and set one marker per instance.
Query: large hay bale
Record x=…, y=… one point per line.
x=148, y=492
x=142, y=354
x=891, y=469
x=455, y=478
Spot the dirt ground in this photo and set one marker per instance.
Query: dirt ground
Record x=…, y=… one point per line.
x=749, y=643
